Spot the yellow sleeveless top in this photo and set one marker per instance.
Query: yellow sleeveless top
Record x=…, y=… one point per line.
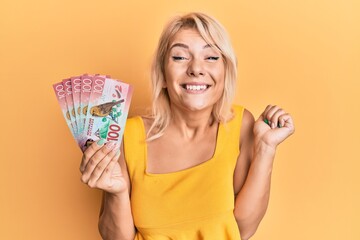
x=195, y=203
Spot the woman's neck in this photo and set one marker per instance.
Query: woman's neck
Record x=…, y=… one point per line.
x=190, y=124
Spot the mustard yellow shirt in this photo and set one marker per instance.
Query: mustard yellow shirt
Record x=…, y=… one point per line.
x=195, y=203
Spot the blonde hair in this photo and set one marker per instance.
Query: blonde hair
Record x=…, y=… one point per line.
x=213, y=33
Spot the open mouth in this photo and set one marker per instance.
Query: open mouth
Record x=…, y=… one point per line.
x=195, y=87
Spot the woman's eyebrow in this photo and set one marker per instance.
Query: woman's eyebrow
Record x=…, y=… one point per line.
x=208, y=46
x=212, y=46
x=182, y=45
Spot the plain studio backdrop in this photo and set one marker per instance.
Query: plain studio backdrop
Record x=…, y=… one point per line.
x=301, y=55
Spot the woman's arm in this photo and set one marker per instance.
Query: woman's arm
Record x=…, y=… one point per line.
x=115, y=220
x=102, y=168
x=257, y=152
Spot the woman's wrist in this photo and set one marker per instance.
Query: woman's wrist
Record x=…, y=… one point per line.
x=262, y=148
x=117, y=196
x=264, y=155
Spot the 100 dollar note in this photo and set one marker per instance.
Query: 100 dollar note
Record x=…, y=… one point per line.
x=94, y=107
x=76, y=91
x=107, y=110
x=61, y=97
x=86, y=85
x=70, y=104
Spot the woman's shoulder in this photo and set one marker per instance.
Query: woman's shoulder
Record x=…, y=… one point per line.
x=244, y=115
x=247, y=122
x=245, y=119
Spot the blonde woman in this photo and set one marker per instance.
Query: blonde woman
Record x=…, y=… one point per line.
x=199, y=167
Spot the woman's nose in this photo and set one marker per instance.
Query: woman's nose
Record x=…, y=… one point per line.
x=195, y=68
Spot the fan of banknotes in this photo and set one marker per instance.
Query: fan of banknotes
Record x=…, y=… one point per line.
x=94, y=107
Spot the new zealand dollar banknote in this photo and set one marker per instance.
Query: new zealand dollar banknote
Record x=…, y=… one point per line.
x=95, y=107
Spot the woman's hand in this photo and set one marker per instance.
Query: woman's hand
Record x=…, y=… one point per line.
x=273, y=126
x=100, y=167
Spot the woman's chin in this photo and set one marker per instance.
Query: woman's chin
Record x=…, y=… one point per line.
x=198, y=106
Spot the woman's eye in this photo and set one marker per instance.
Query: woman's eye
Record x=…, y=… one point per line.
x=212, y=58
x=177, y=58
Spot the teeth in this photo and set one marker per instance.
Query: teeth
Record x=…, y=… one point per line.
x=196, y=87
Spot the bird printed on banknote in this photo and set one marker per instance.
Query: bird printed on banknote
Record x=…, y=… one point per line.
x=104, y=109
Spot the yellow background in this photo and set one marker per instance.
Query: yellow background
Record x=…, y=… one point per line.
x=302, y=55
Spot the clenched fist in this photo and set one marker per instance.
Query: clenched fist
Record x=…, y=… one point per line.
x=273, y=126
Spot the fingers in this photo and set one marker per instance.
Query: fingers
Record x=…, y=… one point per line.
x=98, y=162
x=287, y=122
x=275, y=116
x=102, y=173
x=89, y=152
x=103, y=180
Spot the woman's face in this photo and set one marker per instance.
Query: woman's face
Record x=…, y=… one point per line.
x=194, y=72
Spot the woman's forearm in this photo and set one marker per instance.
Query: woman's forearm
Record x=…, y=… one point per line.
x=252, y=201
x=116, y=221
